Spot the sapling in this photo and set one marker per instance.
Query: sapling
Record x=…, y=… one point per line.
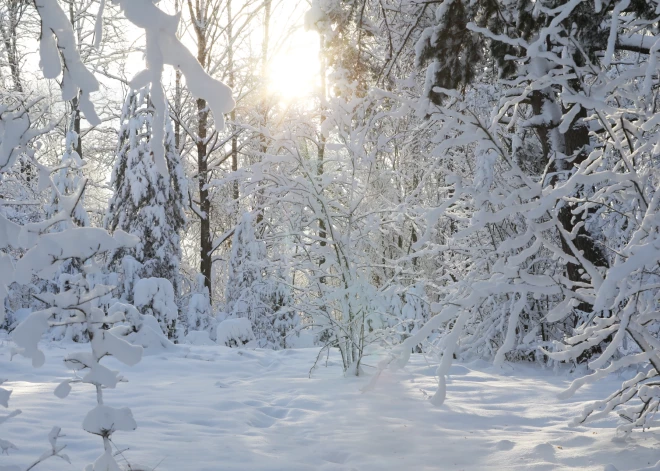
x=80, y=305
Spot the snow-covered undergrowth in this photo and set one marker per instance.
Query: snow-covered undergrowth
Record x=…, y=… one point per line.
x=205, y=408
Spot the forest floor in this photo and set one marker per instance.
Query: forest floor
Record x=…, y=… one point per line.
x=214, y=408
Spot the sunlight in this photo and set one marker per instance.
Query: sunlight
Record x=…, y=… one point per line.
x=294, y=72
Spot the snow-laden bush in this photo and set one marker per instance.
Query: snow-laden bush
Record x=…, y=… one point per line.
x=556, y=210
x=79, y=304
x=255, y=294
x=155, y=297
x=234, y=332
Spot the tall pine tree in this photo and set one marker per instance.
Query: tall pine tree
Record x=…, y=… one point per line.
x=146, y=203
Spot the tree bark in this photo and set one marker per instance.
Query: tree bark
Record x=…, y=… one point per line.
x=205, y=243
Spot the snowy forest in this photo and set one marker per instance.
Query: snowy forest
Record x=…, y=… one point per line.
x=337, y=235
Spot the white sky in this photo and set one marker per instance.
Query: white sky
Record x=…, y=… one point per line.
x=293, y=65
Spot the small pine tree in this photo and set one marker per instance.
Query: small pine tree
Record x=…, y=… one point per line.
x=246, y=289
x=155, y=297
x=146, y=203
x=252, y=293
x=199, y=307
x=285, y=320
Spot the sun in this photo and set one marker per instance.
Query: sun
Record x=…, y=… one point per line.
x=294, y=72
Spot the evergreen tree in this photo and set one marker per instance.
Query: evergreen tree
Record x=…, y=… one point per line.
x=254, y=293
x=245, y=272
x=285, y=320
x=199, y=315
x=146, y=203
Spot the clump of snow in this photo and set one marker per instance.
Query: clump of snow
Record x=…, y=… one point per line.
x=58, y=40
x=234, y=332
x=103, y=419
x=199, y=337
x=150, y=336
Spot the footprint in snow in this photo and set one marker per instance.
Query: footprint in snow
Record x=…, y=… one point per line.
x=274, y=412
x=580, y=440
x=337, y=457
x=261, y=420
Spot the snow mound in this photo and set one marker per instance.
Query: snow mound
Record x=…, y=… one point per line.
x=199, y=337
x=150, y=336
x=234, y=332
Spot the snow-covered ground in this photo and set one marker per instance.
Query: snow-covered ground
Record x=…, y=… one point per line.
x=215, y=408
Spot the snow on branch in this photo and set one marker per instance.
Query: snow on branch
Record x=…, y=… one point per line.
x=163, y=47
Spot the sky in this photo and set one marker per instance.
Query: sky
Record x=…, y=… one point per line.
x=294, y=63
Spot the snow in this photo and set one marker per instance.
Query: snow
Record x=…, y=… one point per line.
x=199, y=337
x=150, y=336
x=259, y=410
x=234, y=332
x=103, y=418
x=81, y=242
x=57, y=39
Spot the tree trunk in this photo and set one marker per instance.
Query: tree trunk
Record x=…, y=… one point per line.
x=205, y=243
x=575, y=141
x=321, y=152
x=263, y=147
x=232, y=83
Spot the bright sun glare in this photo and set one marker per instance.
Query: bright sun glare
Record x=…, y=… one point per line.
x=294, y=72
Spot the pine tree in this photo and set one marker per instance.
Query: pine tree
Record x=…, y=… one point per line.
x=146, y=203
x=285, y=320
x=246, y=294
x=199, y=315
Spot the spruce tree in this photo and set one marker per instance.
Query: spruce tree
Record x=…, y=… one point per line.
x=146, y=203
x=245, y=272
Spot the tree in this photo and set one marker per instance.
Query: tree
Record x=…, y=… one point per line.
x=246, y=286
x=217, y=32
x=155, y=297
x=46, y=251
x=199, y=316
x=145, y=202
x=566, y=215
